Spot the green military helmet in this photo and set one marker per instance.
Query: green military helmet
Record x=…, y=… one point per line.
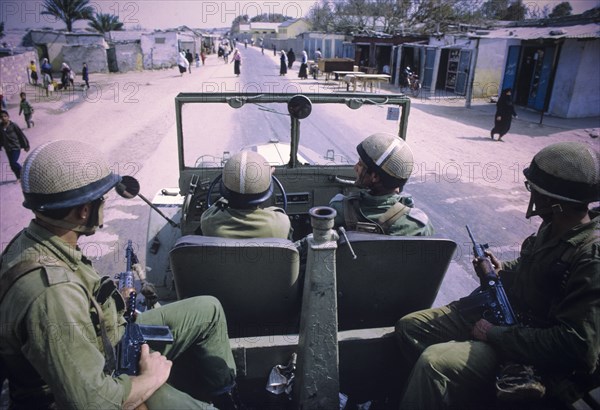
x=246, y=180
x=62, y=174
x=388, y=155
x=568, y=171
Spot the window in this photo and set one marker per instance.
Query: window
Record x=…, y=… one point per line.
x=159, y=40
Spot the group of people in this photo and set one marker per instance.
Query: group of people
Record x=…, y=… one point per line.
x=186, y=58
x=67, y=76
x=47, y=284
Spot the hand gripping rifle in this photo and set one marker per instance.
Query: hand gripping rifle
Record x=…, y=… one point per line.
x=129, y=348
x=489, y=299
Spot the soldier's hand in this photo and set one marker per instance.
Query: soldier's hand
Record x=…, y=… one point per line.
x=154, y=365
x=480, y=329
x=481, y=264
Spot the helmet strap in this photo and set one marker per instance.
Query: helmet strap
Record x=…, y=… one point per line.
x=545, y=213
x=94, y=222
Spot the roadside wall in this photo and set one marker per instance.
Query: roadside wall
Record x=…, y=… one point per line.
x=14, y=74
x=577, y=81
x=129, y=57
x=160, y=49
x=489, y=69
x=93, y=55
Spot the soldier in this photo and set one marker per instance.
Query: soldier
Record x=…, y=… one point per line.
x=553, y=288
x=60, y=318
x=245, y=185
x=383, y=169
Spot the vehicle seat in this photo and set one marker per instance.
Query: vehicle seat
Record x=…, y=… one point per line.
x=256, y=280
x=392, y=276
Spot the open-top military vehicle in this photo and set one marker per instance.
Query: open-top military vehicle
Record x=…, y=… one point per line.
x=326, y=324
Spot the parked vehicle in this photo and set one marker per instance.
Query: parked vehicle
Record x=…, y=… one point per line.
x=320, y=325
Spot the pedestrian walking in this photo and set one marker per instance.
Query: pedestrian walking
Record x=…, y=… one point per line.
x=303, y=72
x=283, y=63
x=2, y=103
x=237, y=62
x=274, y=51
x=12, y=139
x=27, y=110
x=65, y=70
x=203, y=56
x=291, y=56
x=85, y=76
x=197, y=60
x=182, y=63
x=190, y=58
x=33, y=73
x=505, y=111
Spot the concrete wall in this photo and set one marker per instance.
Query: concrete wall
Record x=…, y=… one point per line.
x=160, y=55
x=129, y=57
x=489, y=68
x=93, y=55
x=14, y=75
x=577, y=81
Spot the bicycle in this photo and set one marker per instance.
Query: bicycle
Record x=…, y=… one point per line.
x=412, y=85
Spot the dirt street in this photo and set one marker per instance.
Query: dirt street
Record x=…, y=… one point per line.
x=131, y=117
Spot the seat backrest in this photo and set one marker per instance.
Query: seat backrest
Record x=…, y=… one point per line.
x=392, y=276
x=256, y=280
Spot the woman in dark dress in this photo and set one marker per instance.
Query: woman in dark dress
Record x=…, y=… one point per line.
x=302, y=73
x=283, y=65
x=237, y=62
x=505, y=111
x=291, y=58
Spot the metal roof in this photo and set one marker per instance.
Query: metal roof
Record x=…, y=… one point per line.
x=591, y=30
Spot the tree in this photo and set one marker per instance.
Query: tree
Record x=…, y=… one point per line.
x=561, y=10
x=69, y=11
x=103, y=23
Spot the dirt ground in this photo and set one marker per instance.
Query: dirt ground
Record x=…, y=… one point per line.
x=131, y=115
x=131, y=118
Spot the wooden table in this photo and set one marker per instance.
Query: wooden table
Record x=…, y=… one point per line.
x=368, y=79
x=341, y=77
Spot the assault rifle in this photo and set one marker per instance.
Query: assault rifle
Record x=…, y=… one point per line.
x=129, y=349
x=489, y=299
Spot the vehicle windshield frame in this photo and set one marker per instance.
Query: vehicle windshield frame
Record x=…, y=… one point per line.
x=236, y=100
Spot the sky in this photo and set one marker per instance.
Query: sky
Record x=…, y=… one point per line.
x=154, y=14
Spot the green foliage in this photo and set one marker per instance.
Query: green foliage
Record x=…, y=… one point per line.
x=103, y=23
x=68, y=11
x=561, y=10
x=394, y=16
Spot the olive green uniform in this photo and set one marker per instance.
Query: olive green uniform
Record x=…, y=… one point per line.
x=414, y=222
x=554, y=287
x=227, y=222
x=51, y=341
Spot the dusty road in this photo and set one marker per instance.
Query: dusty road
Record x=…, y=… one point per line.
x=131, y=117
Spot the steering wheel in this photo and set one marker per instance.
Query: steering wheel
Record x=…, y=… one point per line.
x=220, y=176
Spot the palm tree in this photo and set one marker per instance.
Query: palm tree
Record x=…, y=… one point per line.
x=103, y=23
x=69, y=11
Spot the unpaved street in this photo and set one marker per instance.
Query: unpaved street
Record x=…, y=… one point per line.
x=131, y=117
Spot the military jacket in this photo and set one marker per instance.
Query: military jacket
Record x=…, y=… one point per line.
x=554, y=286
x=50, y=339
x=226, y=222
x=413, y=223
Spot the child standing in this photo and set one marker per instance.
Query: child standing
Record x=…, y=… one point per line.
x=33, y=72
x=27, y=110
x=85, y=76
x=13, y=140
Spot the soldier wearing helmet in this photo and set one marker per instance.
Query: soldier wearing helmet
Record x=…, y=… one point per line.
x=383, y=169
x=554, y=289
x=61, y=319
x=246, y=184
